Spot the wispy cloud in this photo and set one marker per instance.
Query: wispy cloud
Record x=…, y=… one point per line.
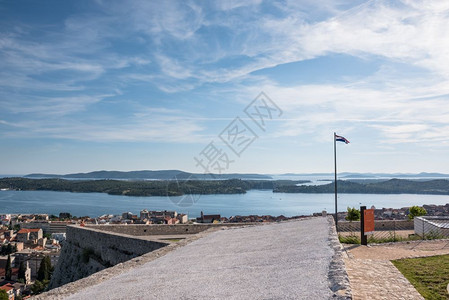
x=180, y=46
x=153, y=125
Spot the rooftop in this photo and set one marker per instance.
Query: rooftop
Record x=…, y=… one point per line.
x=26, y=230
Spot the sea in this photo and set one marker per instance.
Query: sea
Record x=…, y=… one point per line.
x=254, y=202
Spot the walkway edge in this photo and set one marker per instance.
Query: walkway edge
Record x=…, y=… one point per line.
x=337, y=276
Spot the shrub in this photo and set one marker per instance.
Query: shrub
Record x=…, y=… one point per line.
x=353, y=214
x=416, y=211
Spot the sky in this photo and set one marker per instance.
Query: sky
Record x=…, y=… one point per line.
x=224, y=86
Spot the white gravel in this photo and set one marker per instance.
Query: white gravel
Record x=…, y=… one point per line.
x=288, y=260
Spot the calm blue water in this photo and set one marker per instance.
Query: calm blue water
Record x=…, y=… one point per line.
x=259, y=202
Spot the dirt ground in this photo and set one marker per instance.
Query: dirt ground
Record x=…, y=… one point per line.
x=373, y=276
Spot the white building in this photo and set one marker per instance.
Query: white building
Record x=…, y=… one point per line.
x=432, y=226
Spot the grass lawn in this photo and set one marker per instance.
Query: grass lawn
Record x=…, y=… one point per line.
x=429, y=275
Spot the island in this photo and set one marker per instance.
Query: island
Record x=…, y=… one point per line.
x=392, y=186
x=176, y=187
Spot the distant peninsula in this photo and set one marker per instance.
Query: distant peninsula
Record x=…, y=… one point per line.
x=176, y=187
x=392, y=186
x=149, y=175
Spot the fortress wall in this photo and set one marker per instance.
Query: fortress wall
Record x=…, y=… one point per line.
x=88, y=250
x=161, y=229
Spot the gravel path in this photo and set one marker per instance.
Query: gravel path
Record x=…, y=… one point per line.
x=373, y=276
x=288, y=260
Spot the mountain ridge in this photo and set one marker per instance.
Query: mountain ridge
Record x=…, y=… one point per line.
x=149, y=174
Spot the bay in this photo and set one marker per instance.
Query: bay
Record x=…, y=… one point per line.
x=260, y=202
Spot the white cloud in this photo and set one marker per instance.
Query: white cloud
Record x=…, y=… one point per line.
x=233, y=4
x=192, y=45
x=40, y=107
x=395, y=112
x=172, y=68
x=179, y=19
x=411, y=32
x=149, y=125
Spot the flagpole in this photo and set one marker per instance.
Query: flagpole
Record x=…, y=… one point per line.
x=335, y=181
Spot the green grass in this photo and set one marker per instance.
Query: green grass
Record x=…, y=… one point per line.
x=352, y=239
x=429, y=275
x=372, y=239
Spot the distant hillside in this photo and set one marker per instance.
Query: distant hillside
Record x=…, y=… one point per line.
x=172, y=174
x=392, y=186
x=228, y=186
x=142, y=187
x=147, y=174
x=372, y=175
x=394, y=175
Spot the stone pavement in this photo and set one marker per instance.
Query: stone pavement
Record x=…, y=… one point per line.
x=378, y=279
x=373, y=276
x=288, y=260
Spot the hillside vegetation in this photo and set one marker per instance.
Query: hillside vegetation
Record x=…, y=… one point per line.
x=230, y=186
x=142, y=188
x=393, y=186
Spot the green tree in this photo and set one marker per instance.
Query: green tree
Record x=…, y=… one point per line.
x=416, y=211
x=353, y=214
x=9, y=249
x=8, y=269
x=22, y=272
x=45, y=269
x=37, y=287
x=3, y=295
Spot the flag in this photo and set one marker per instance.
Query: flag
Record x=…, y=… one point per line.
x=341, y=139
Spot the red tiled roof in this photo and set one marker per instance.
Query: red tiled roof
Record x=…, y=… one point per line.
x=7, y=287
x=26, y=230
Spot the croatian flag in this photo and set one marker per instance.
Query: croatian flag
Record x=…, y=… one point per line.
x=341, y=139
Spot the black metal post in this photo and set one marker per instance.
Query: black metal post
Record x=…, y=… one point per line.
x=363, y=237
x=335, y=182
x=394, y=230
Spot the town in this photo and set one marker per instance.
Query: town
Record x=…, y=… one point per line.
x=31, y=243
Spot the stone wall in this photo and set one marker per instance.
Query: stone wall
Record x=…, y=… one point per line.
x=160, y=229
x=88, y=250
x=66, y=290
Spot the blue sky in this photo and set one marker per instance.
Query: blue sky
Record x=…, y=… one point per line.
x=133, y=85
